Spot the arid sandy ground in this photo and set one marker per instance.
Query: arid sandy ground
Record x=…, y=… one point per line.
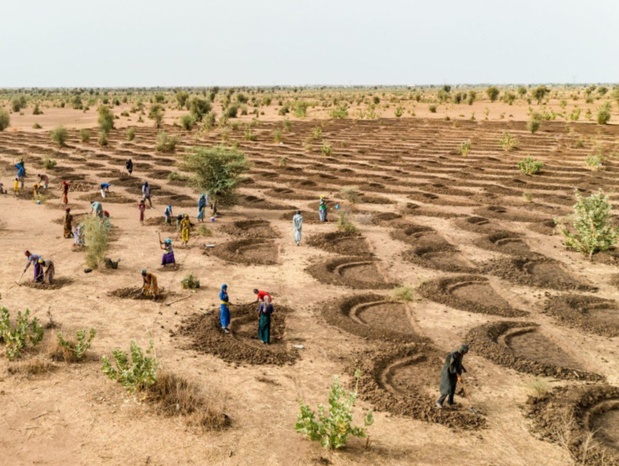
x=409, y=167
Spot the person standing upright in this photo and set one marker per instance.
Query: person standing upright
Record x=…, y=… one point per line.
x=224, y=309
x=297, y=226
x=451, y=374
x=146, y=193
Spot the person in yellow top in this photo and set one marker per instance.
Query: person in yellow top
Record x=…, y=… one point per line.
x=149, y=285
x=35, y=191
x=16, y=186
x=185, y=229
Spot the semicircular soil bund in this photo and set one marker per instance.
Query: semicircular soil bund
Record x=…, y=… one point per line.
x=505, y=242
x=58, y=283
x=520, y=346
x=287, y=193
x=355, y=272
x=403, y=380
x=540, y=272
x=371, y=316
x=340, y=242
x=418, y=235
x=504, y=213
x=254, y=202
x=477, y=224
x=446, y=258
x=587, y=415
x=250, y=229
x=242, y=344
x=247, y=251
x=136, y=293
x=470, y=293
x=308, y=217
x=589, y=313
x=544, y=227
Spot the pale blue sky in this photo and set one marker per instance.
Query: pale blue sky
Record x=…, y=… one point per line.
x=267, y=42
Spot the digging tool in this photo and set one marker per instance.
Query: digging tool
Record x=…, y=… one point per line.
x=179, y=299
x=465, y=396
x=159, y=236
x=20, y=277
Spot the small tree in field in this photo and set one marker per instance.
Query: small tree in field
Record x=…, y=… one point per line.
x=216, y=171
x=97, y=241
x=539, y=93
x=603, y=115
x=156, y=114
x=592, y=230
x=59, y=136
x=5, y=119
x=493, y=93
x=106, y=119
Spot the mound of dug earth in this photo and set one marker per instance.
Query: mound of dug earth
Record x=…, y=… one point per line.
x=242, y=344
x=505, y=242
x=58, y=283
x=589, y=313
x=250, y=229
x=355, y=272
x=539, y=271
x=340, y=242
x=136, y=293
x=254, y=202
x=519, y=346
x=504, y=213
x=371, y=316
x=403, y=380
x=247, y=251
x=440, y=257
x=477, y=224
x=584, y=419
x=471, y=293
x=418, y=235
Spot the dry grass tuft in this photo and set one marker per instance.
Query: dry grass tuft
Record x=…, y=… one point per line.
x=36, y=365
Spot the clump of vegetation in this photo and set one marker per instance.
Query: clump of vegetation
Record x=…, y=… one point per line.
x=317, y=133
x=85, y=135
x=49, y=163
x=432, y=108
x=534, y=123
x=278, y=136
x=5, y=119
x=106, y=119
x=216, y=171
x=333, y=425
x=103, y=141
x=176, y=176
x=36, y=110
x=96, y=240
x=188, y=122
x=156, y=114
x=34, y=126
x=399, y=111
x=508, y=142
x=130, y=134
x=591, y=226
x=345, y=224
x=165, y=142
x=326, y=149
x=402, y=293
x=351, y=194
x=136, y=374
x=465, y=148
x=24, y=334
x=74, y=350
x=527, y=196
x=249, y=135
x=59, y=135
x=190, y=282
x=604, y=114
x=493, y=93
x=282, y=162
x=340, y=112
x=539, y=387
x=530, y=165
x=539, y=93
x=203, y=230
x=595, y=161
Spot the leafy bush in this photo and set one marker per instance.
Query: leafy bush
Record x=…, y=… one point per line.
x=333, y=425
x=432, y=108
x=326, y=149
x=74, y=350
x=465, y=147
x=130, y=134
x=604, y=114
x=187, y=122
x=198, y=108
x=539, y=93
x=249, y=135
x=165, y=142
x=278, y=136
x=96, y=240
x=36, y=110
x=508, y=142
x=471, y=98
x=340, y=112
x=534, y=124
x=203, y=230
x=232, y=111
x=530, y=166
x=102, y=138
x=23, y=334
x=5, y=119
x=351, y=194
x=595, y=161
x=156, y=114
x=106, y=119
x=59, y=136
x=189, y=282
x=399, y=111
x=493, y=93
x=592, y=230
x=35, y=126
x=49, y=163
x=345, y=224
x=85, y=135
x=402, y=293
x=137, y=374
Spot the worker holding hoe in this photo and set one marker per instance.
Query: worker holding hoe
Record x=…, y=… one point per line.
x=149, y=285
x=451, y=374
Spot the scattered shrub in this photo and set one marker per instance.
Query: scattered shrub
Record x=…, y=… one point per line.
x=232, y=111
x=74, y=349
x=59, y=135
x=340, y=112
x=102, y=139
x=493, y=93
x=399, y=111
x=595, y=161
x=249, y=135
x=283, y=161
x=5, y=119
x=465, y=148
x=187, y=122
x=130, y=134
x=326, y=149
x=96, y=240
x=534, y=124
x=85, y=135
x=165, y=142
x=106, y=119
x=156, y=114
x=176, y=176
x=508, y=142
x=36, y=110
x=49, y=163
x=333, y=425
x=35, y=126
x=198, y=108
x=402, y=293
x=344, y=223
x=25, y=333
x=137, y=374
x=317, y=133
x=432, y=108
x=592, y=229
x=203, y=230
x=278, y=136
x=604, y=114
x=351, y=194
x=527, y=196
x=189, y=282
x=530, y=166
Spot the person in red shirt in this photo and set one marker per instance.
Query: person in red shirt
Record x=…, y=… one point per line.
x=263, y=296
x=142, y=208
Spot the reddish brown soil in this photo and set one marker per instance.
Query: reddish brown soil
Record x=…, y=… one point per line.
x=247, y=251
x=349, y=244
x=250, y=229
x=440, y=257
x=589, y=313
x=355, y=272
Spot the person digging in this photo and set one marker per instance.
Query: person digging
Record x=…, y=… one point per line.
x=451, y=374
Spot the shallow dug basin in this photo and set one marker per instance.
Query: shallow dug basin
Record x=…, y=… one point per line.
x=446, y=258
x=552, y=275
x=383, y=314
x=530, y=344
x=605, y=424
x=478, y=292
x=362, y=271
x=258, y=252
x=248, y=251
x=411, y=374
x=507, y=243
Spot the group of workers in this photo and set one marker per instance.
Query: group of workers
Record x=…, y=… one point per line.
x=44, y=270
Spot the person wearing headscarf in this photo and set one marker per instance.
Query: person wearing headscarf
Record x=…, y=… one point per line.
x=224, y=309
x=129, y=166
x=142, y=209
x=202, y=202
x=65, y=192
x=21, y=173
x=146, y=193
x=185, y=226
x=297, y=226
x=167, y=215
x=105, y=189
x=35, y=191
x=50, y=270
x=168, y=254
x=78, y=236
x=322, y=209
x=149, y=284
x=68, y=223
x=44, y=180
x=264, y=321
x=451, y=373
x=33, y=259
x=96, y=208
